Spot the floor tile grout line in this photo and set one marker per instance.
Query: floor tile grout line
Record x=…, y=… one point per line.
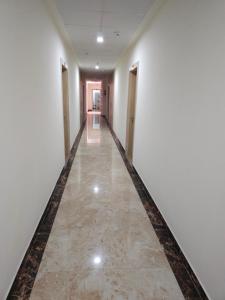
x=179, y=275
x=25, y=277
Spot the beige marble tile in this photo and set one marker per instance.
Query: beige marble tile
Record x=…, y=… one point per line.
x=51, y=286
x=124, y=284
x=117, y=242
x=104, y=284
x=102, y=244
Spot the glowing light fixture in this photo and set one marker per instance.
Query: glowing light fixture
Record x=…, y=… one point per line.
x=97, y=67
x=96, y=189
x=97, y=260
x=100, y=39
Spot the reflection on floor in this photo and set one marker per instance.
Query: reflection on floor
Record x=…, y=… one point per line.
x=102, y=244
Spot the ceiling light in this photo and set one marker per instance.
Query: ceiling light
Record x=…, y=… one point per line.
x=97, y=260
x=100, y=39
x=97, y=67
x=96, y=189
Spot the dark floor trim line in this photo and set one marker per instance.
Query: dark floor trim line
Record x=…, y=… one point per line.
x=188, y=282
x=24, y=281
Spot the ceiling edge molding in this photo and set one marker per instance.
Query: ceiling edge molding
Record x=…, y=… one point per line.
x=58, y=22
x=145, y=24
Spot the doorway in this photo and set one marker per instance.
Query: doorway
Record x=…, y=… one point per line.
x=93, y=96
x=96, y=96
x=131, y=112
x=66, y=120
x=82, y=103
x=108, y=103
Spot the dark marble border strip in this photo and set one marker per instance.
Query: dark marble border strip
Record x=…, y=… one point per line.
x=188, y=282
x=24, y=281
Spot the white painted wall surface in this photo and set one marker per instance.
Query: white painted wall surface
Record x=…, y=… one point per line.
x=179, y=142
x=31, y=123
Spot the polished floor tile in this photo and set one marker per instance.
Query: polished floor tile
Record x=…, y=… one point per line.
x=102, y=244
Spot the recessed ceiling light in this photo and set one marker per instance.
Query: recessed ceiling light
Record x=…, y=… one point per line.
x=96, y=189
x=97, y=67
x=100, y=39
x=97, y=260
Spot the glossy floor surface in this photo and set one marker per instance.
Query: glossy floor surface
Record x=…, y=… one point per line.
x=102, y=244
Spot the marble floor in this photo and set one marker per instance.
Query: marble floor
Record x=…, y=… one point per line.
x=102, y=244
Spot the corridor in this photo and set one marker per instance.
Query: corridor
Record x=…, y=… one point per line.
x=112, y=150
x=102, y=244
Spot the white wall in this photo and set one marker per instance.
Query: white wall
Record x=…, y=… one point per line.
x=179, y=143
x=31, y=123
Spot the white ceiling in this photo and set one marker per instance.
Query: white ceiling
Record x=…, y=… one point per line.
x=83, y=19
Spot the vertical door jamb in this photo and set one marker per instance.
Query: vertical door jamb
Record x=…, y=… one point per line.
x=66, y=120
x=131, y=107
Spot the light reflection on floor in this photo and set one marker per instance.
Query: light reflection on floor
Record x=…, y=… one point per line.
x=93, y=128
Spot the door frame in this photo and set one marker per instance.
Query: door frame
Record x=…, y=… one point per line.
x=108, y=101
x=66, y=111
x=131, y=109
x=82, y=103
x=94, y=91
